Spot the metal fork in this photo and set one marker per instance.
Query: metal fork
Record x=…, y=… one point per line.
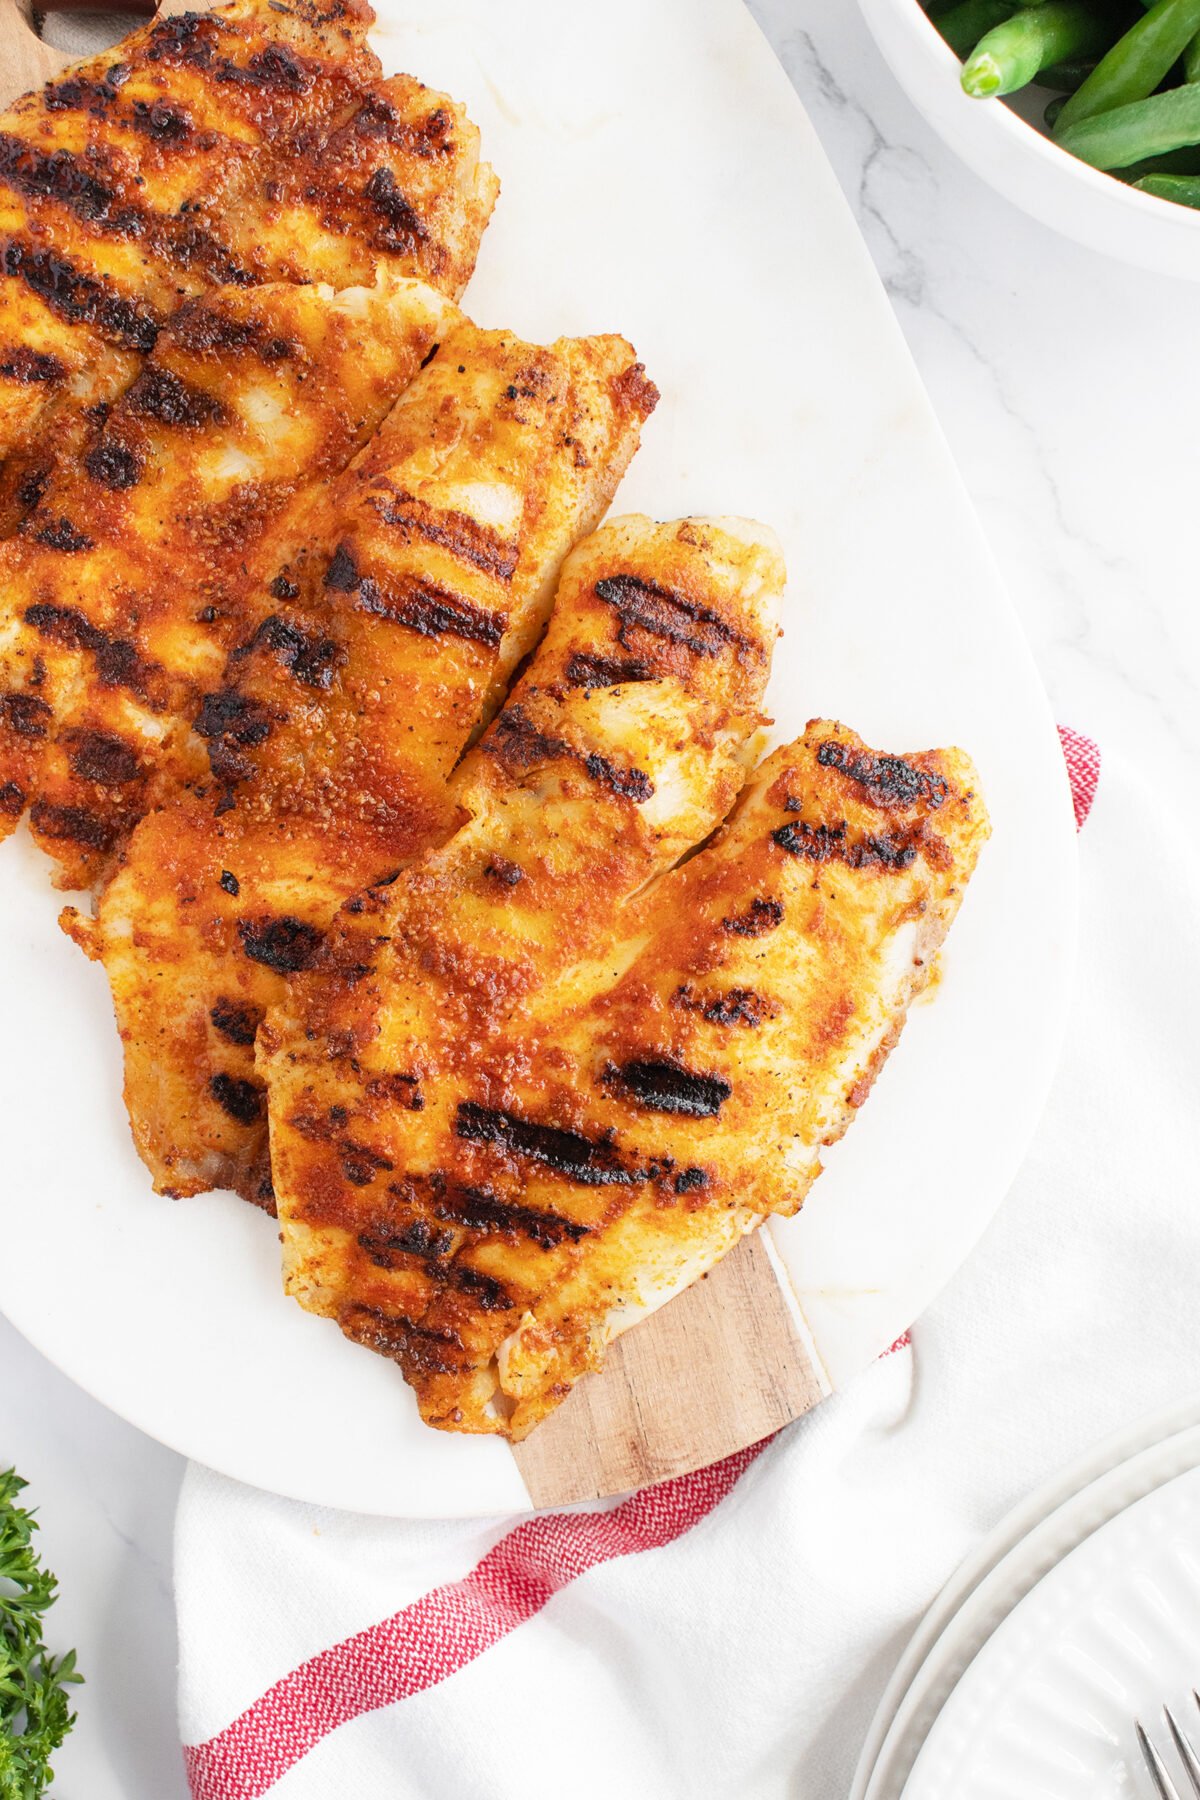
x=1163, y=1784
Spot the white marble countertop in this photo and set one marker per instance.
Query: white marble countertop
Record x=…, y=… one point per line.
x=1065, y=384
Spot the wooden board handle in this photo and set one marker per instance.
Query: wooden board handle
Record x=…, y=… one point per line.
x=25, y=62
x=722, y=1366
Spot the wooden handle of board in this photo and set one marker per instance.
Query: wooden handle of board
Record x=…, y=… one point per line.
x=722, y=1366
x=27, y=62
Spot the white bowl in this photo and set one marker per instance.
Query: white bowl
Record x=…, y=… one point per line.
x=1022, y=164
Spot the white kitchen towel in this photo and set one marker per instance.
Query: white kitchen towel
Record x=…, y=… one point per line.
x=729, y=1634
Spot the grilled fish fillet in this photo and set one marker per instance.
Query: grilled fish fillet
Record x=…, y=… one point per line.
x=579, y=1157
x=377, y=653
x=127, y=585
x=253, y=143
x=624, y=744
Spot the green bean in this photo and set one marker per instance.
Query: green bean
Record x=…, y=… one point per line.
x=1053, y=108
x=1011, y=54
x=1066, y=76
x=964, y=25
x=1113, y=140
x=1184, y=190
x=1137, y=62
x=1185, y=161
x=1191, y=56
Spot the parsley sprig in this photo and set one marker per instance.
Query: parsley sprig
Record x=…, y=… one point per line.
x=35, y=1715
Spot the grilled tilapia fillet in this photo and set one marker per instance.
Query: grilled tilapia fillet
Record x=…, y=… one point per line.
x=342, y=717
x=570, y=1172
x=623, y=745
x=111, y=178
x=249, y=144
x=127, y=585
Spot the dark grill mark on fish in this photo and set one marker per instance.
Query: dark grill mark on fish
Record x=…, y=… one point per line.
x=519, y=744
x=669, y=1087
x=236, y=1022
x=489, y=1294
x=508, y=874
x=77, y=93
x=202, y=326
x=480, y=1210
x=97, y=756
x=74, y=823
x=321, y=1128
x=12, y=799
x=418, y=1239
x=425, y=1351
x=230, y=718
x=33, y=485
x=30, y=366
x=76, y=297
x=67, y=96
x=160, y=122
x=194, y=42
x=644, y=606
x=239, y=1098
x=24, y=714
x=402, y=227
x=361, y=1164
x=192, y=247
x=401, y=1090
x=588, y=671
x=59, y=176
x=277, y=66
x=283, y=589
x=432, y=611
x=457, y=532
x=341, y=577
x=180, y=32
x=691, y=1181
x=740, y=1006
x=568, y=1153
x=117, y=661
x=285, y=944
x=374, y=117
x=113, y=465
x=158, y=394
x=830, y=843
x=760, y=917
x=633, y=783
x=230, y=883
x=61, y=535
x=887, y=780
x=311, y=660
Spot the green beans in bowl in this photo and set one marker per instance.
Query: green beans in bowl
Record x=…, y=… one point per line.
x=1084, y=112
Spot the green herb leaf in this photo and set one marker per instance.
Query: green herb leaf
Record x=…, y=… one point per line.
x=35, y=1715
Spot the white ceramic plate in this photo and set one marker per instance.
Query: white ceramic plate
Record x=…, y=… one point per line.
x=1046, y=1710
x=659, y=179
x=1030, y=1541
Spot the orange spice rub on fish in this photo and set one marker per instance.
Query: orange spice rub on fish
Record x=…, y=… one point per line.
x=366, y=664
x=489, y=1161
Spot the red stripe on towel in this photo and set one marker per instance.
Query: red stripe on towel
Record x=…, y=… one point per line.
x=1083, y=770
x=445, y=1629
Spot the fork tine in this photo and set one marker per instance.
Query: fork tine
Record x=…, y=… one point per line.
x=1187, y=1755
x=1162, y=1781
